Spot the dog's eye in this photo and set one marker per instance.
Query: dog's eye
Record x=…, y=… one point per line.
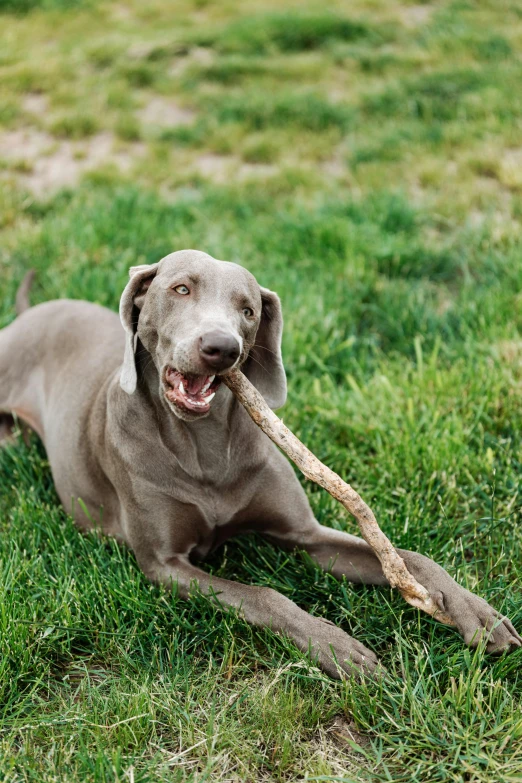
x=248, y=312
x=181, y=289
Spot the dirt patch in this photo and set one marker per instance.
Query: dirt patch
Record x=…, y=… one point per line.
x=198, y=55
x=215, y=167
x=35, y=103
x=415, y=15
x=165, y=113
x=330, y=744
x=510, y=170
x=223, y=168
x=335, y=166
x=510, y=351
x=21, y=145
x=44, y=164
x=345, y=732
x=121, y=12
x=248, y=170
x=476, y=218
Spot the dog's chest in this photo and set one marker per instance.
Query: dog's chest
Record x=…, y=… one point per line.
x=210, y=514
x=215, y=500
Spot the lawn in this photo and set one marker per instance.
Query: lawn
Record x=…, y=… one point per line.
x=364, y=160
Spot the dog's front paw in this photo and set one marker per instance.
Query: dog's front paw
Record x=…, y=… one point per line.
x=337, y=652
x=474, y=618
x=477, y=620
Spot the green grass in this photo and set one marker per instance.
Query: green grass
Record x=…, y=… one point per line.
x=389, y=222
x=285, y=32
x=24, y=6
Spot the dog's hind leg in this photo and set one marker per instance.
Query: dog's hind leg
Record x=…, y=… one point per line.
x=7, y=422
x=10, y=358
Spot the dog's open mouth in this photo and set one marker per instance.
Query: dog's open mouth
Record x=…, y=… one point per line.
x=190, y=392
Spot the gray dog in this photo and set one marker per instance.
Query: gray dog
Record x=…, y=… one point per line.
x=165, y=458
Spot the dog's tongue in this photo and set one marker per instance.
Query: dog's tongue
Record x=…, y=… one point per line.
x=190, y=392
x=194, y=383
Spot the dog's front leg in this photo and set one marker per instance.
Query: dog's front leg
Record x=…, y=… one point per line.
x=333, y=649
x=350, y=556
x=285, y=516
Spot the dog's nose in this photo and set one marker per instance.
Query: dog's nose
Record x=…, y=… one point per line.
x=219, y=349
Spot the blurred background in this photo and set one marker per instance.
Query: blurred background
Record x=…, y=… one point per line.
x=295, y=138
x=363, y=159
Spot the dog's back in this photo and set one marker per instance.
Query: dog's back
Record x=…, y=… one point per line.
x=57, y=360
x=77, y=342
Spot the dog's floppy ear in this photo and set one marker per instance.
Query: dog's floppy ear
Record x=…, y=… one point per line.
x=130, y=303
x=264, y=367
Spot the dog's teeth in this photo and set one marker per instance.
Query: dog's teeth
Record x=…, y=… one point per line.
x=181, y=387
x=210, y=397
x=207, y=386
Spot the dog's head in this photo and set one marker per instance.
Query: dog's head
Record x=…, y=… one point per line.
x=198, y=318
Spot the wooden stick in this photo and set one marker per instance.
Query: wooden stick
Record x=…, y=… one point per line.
x=392, y=563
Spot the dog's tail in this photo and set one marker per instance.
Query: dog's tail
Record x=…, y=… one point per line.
x=22, y=295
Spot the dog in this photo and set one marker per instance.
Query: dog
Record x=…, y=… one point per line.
x=138, y=425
